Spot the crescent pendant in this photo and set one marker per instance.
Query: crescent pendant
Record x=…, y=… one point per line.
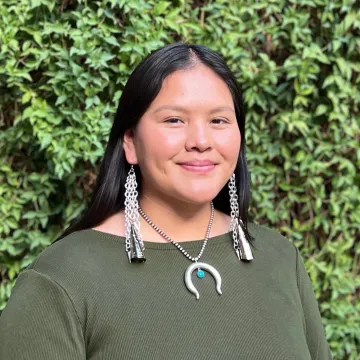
x=189, y=284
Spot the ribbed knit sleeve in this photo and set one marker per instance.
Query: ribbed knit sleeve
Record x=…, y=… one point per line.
x=39, y=322
x=315, y=335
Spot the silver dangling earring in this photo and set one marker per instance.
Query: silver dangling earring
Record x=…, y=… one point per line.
x=134, y=243
x=242, y=247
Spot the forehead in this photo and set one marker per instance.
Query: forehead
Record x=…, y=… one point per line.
x=196, y=88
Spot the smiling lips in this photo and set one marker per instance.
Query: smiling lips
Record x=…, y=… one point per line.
x=198, y=166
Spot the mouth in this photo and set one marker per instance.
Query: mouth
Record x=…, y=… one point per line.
x=203, y=169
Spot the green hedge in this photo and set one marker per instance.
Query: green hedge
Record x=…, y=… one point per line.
x=63, y=65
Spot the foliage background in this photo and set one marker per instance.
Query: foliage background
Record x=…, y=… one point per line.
x=63, y=65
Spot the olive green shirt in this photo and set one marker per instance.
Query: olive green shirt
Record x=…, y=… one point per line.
x=82, y=299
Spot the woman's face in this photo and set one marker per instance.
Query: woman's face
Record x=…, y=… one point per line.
x=191, y=119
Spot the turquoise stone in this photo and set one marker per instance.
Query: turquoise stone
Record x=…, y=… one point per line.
x=200, y=274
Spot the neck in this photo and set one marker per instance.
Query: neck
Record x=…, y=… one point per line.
x=180, y=221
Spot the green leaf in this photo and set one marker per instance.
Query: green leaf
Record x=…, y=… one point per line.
x=37, y=38
x=320, y=110
x=61, y=99
x=160, y=7
x=26, y=97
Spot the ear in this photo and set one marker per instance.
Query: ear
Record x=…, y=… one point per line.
x=129, y=147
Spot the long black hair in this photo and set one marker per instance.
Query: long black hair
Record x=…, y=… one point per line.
x=140, y=90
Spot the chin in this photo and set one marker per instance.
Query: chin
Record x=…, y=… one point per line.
x=198, y=197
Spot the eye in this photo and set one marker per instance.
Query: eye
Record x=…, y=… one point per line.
x=218, y=121
x=173, y=121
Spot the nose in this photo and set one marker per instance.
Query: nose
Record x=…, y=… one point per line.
x=199, y=137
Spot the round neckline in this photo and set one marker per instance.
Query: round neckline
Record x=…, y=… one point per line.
x=213, y=240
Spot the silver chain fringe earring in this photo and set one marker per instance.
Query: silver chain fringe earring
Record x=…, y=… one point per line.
x=240, y=243
x=134, y=242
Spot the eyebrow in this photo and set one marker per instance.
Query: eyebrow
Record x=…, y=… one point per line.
x=180, y=108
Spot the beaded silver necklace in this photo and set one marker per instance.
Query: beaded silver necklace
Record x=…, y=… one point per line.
x=200, y=266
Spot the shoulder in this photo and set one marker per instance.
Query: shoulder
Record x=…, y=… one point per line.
x=79, y=263
x=76, y=257
x=269, y=241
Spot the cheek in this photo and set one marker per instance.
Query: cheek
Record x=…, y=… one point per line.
x=163, y=145
x=171, y=141
x=228, y=143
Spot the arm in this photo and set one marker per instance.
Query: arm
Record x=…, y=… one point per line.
x=315, y=334
x=40, y=322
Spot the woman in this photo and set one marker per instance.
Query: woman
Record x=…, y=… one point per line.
x=172, y=197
